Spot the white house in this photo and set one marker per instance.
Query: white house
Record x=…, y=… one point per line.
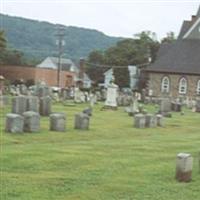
x=53, y=62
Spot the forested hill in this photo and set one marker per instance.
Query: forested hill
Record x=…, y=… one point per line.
x=36, y=39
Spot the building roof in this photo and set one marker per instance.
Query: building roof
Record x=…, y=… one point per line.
x=183, y=56
x=66, y=64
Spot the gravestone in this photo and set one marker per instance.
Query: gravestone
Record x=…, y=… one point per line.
x=31, y=121
x=45, y=106
x=4, y=100
x=42, y=91
x=23, y=89
x=14, y=123
x=197, y=106
x=159, y=120
x=176, y=106
x=19, y=104
x=78, y=96
x=82, y=121
x=58, y=122
x=111, y=98
x=165, y=105
x=139, y=121
x=184, y=163
x=150, y=121
x=33, y=103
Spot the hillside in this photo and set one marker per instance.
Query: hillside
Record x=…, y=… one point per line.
x=36, y=39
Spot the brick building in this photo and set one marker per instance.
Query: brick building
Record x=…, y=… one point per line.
x=176, y=71
x=43, y=72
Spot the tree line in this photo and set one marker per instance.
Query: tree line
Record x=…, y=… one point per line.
x=139, y=50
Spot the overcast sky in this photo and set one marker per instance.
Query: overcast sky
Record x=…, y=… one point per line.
x=113, y=17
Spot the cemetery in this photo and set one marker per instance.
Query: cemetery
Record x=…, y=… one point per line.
x=98, y=149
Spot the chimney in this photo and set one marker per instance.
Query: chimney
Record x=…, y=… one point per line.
x=193, y=18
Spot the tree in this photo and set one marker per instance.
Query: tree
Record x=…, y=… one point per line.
x=169, y=38
x=2, y=41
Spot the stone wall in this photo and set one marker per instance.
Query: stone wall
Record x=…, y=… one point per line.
x=155, y=79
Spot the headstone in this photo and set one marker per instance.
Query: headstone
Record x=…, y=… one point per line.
x=58, y=122
x=4, y=100
x=81, y=121
x=111, y=98
x=159, y=120
x=78, y=96
x=14, y=123
x=19, y=104
x=45, y=106
x=33, y=103
x=165, y=105
x=184, y=163
x=139, y=121
x=150, y=120
x=23, y=89
x=197, y=106
x=31, y=121
x=176, y=106
x=42, y=91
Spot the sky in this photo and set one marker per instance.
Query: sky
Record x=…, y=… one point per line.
x=113, y=17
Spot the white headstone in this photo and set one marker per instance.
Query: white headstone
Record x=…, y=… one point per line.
x=111, y=98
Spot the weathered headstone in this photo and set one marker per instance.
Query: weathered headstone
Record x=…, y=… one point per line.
x=81, y=121
x=33, y=103
x=184, y=163
x=139, y=121
x=176, y=106
x=23, y=89
x=19, y=104
x=150, y=120
x=42, y=91
x=165, y=105
x=45, y=106
x=197, y=105
x=159, y=120
x=31, y=121
x=14, y=123
x=111, y=98
x=58, y=122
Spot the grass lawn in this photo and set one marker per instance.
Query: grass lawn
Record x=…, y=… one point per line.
x=111, y=161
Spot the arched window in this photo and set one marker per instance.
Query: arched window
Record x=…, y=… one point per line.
x=183, y=86
x=198, y=87
x=165, y=85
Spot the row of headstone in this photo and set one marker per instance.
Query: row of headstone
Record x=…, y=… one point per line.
x=147, y=120
x=21, y=104
x=30, y=122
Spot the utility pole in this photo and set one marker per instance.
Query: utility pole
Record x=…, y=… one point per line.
x=60, y=42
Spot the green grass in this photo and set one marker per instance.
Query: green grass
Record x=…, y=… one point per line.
x=111, y=161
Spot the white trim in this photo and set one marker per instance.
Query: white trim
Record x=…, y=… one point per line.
x=165, y=84
x=182, y=88
x=198, y=87
x=191, y=29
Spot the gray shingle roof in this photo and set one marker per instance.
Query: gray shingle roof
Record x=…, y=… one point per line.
x=183, y=56
x=65, y=63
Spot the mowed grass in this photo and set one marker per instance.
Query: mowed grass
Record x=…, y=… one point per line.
x=110, y=161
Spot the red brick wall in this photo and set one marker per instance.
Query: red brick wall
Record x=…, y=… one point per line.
x=13, y=73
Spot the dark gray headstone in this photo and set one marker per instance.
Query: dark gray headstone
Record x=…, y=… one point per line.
x=150, y=120
x=33, y=103
x=31, y=121
x=81, y=121
x=139, y=121
x=45, y=106
x=19, y=104
x=58, y=122
x=14, y=123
